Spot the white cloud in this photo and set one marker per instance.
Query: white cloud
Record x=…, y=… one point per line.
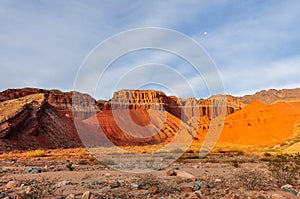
x=42, y=44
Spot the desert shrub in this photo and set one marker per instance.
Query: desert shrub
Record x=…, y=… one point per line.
x=252, y=179
x=36, y=153
x=235, y=163
x=70, y=166
x=285, y=168
x=266, y=154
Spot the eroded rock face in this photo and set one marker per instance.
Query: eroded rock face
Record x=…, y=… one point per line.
x=184, y=109
x=136, y=117
x=30, y=122
x=144, y=99
x=21, y=113
x=44, y=118
x=61, y=101
x=216, y=105
x=139, y=99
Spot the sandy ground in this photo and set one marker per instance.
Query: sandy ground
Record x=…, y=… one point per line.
x=211, y=177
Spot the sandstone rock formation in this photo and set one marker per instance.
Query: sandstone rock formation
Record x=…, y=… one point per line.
x=135, y=117
x=61, y=101
x=37, y=118
x=272, y=95
x=21, y=113
x=181, y=108
x=31, y=122
x=133, y=127
x=260, y=124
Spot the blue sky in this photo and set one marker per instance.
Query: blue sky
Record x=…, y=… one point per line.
x=254, y=44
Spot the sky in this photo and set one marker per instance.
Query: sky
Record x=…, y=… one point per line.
x=254, y=44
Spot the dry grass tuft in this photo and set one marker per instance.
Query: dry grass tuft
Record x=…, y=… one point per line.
x=37, y=153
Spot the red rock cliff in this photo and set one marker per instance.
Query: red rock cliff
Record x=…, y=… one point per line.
x=181, y=108
x=61, y=101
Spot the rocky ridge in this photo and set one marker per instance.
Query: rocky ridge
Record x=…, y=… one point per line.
x=272, y=95
x=22, y=113
x=181, y=108
x=61, y=101
x=39, y=118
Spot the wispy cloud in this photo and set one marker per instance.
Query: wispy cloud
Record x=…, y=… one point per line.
x=255, y=44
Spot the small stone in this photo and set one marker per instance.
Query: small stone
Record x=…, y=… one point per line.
x=141, y=185
x=171, y=173
x=13, y=184
x=289, y=191
x=198, y=193
x=86, y=195
x=196, y=166
x=71, y=196
x=218, y=180
x=115, y=185
x=187, y=188
x=90, y=186
x=134, y=185
x=33, y=181
x=63, y=183
x=198, y=185
x=33, y=170
x=287, y=186
x=184, y=174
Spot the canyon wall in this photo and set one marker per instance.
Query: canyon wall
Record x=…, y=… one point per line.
x=184, y=109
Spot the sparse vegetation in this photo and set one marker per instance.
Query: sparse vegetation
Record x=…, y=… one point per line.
x=266, y=154
x=285, y=168
x=252, y=179
x=70, y=166
x=37, y=153
x=235, y=163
